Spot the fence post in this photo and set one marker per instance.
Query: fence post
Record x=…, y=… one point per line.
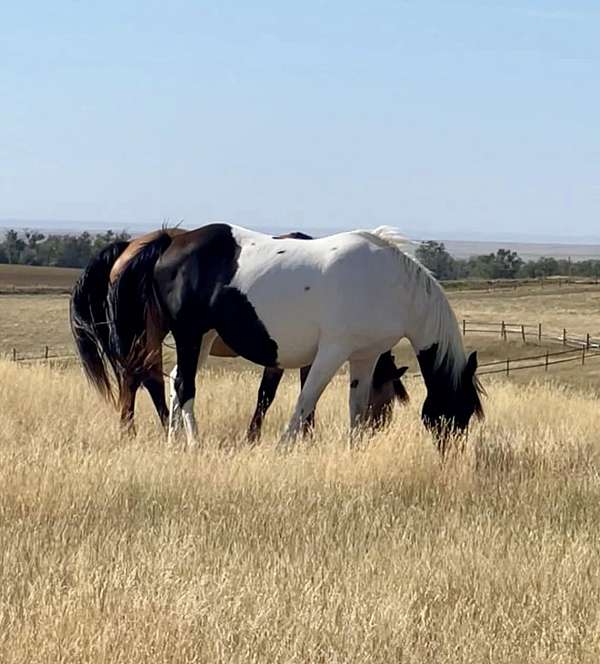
x=587, y=341
x=540, y=332
x=546, y=364
x=503, y=331
x=564, y=336
x=507, y=366
x=523, y=332
x=583, y=356
x=46, y=353
x=14, y=354
x=464, y=328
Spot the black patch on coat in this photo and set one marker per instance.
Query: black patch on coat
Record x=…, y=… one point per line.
x=281, y=252
x=296, y=235
x=306, y=288
x=241, y=329
x=354, y=383
x=193, y=278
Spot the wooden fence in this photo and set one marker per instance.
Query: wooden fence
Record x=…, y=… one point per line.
x=473, y=284
x=581, y=349
x=529, y=332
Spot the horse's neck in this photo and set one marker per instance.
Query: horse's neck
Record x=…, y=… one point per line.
x=423, y=321
x=435, y=338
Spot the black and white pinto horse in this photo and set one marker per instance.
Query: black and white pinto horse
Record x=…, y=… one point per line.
x=291, y=303
x=90, y=317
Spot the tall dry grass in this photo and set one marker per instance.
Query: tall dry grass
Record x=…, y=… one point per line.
x=136, y=552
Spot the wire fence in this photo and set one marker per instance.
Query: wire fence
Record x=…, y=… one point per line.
x=576, y=348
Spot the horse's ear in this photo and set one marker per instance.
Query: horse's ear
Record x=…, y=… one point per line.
x=471, y=366
x=400, y=371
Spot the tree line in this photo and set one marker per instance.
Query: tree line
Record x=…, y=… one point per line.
x=504, y=264
x=33, y=248
x=68, y=250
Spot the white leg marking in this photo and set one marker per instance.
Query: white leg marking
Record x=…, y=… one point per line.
x=328, y=360
x=175, y=421
x=189, y=423
x=189, y=419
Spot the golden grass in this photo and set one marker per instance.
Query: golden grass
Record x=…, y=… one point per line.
x=136, y=552
x=576, y=308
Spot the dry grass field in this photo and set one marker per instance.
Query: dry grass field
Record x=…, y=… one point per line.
x=136, y=552
x=133, y=551
x=32, y=279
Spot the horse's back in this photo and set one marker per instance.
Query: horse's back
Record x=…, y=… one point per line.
x=136, y=245
x=304, y=292
x=274, y=301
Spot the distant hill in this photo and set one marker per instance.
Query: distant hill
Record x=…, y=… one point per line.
x=526, y=250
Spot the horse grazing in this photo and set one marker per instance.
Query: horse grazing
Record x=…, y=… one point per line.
x=289, y=304
x=90, y=316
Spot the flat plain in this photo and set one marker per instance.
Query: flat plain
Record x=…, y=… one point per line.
x=133, y=551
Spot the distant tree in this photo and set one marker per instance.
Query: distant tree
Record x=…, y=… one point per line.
x=102, y=239
x=504, y=264
x=436, y=258
x=76, y=250
x=13, y=246
x=508, y=263
x=33, y=238
x=542, y=267
x=33, y=248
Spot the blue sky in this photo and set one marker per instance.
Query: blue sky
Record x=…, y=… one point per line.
x=450, y=119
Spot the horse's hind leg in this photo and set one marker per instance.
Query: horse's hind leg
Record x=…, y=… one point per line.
x=328, y=360
x=361, y=376
x=266, y=393
x=127, y=392
x=155, y=385
x=154, y=380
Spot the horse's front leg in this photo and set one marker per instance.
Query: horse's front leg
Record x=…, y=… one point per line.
x=328, y=360
x=191, y=356
x=308, y=426
x=175, y=419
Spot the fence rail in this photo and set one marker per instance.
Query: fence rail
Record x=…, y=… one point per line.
x=580, y=349
x=473, y=284
x=549, y=359
x=529, y=332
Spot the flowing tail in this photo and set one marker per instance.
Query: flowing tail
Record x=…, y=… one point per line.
x=135, y=310
x=88, y=315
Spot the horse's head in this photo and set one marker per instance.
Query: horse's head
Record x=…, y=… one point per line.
x=451, y=401
x=385, y=389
